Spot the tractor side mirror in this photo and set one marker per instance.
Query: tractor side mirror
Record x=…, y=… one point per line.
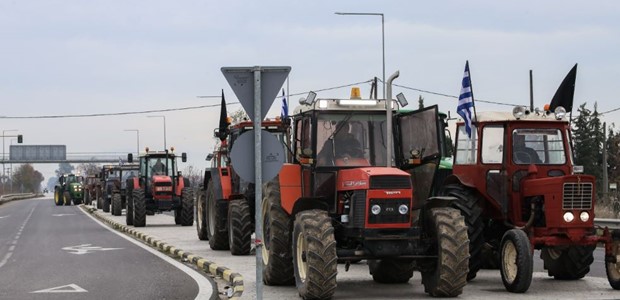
x=184, y=157
x=130, y=157
x=209, y=157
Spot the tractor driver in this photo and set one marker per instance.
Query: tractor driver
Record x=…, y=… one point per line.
x=522, y=154
x=158, y=167
x=342, y=145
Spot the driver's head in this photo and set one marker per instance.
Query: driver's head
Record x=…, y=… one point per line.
x=158, y=161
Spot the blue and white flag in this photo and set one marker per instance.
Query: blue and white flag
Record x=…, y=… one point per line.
x=284, y=111
x=465, y=107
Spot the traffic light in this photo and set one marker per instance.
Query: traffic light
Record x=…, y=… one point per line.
x=20, y=138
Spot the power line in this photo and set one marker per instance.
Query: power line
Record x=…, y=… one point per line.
x=451, y=96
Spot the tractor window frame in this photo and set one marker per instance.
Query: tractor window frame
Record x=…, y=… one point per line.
x=460, y=157
x=543, y=147
x=497, y=145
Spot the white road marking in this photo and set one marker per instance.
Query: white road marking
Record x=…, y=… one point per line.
x=62, y=215
x=19, y=232
x=86, y=248
x=205, y=290
x=69, y=288
x=2, y=217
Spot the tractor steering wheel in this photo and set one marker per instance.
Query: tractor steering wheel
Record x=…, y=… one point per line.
x=523, y=157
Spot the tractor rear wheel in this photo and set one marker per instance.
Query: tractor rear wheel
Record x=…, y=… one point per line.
x=277, y=238
x=613, y=269
x=201, y=216
x=129, y=212
x=187, y=207
x=99, y=199
x=217, y=234
x=568, y=264
x=391, y=270
x=117, y=208
x=106, y=204
x=86, y=197
x=467, y=204
x=139, y=208
x=314, y=255
x=517, y=262
x=177, y=216
x=240, y=227
x=448, y=275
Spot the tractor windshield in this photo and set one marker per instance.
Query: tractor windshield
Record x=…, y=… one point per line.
x=353, y=139
x=538, y=146
x=160, y=166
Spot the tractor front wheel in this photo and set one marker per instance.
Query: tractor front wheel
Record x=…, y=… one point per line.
x=139, y=208
x=106, y=204
x=58, y=198
x=201, y=216
x=187, y=207
x=277, y=238
x=517, y=263
x=240, y=227
x=613, y=268
x=117, y=208
x=391, y=270
x=129, y=212
x=218, y=236
x=66, y=197
x=447, y=276
x=568, y=264
x=314, y=255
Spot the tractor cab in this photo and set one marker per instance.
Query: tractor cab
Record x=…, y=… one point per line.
x=158, y=173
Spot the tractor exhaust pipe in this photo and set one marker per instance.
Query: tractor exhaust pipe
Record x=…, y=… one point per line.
x=388, y=115
x=530, y=221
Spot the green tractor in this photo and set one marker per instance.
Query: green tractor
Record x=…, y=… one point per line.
x=69, y=188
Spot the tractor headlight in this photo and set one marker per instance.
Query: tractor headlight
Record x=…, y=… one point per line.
x=375, y=209
x=403, y=209
x=568, y=217
x=584, y=216
x=560, y=112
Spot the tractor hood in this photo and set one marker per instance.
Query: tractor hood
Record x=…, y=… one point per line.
x=161, y=179
x=372, y=177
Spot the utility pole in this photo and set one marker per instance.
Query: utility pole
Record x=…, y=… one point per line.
x=605, y=179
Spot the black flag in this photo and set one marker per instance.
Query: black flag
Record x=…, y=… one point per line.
x=223, y=120
x=565, y=93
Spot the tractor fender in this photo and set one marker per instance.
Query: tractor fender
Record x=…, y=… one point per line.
x=182, y=183
x=303, y=204
x=439, y=201
x=290, y=186
x=455, y=179
x=221, y=184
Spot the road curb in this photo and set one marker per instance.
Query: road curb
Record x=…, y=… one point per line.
x=12, y=197
x=234, y=279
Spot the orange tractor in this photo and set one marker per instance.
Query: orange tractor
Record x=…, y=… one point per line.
x=339, y=201
x=159, y=187
x=225, y=202
x=519, y=190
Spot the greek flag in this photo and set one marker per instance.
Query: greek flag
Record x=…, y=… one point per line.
x=284, y=112
x=466, y=101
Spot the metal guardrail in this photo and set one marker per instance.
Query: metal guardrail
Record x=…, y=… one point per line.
x=610, y=223
x=10, y=197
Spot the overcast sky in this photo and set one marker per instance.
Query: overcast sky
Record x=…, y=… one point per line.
x=83, y=57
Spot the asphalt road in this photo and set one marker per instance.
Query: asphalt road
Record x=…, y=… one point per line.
x=59, y=252
x=358, y=284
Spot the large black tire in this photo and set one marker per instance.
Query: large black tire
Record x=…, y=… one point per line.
x=448, y=275
x=613, y=269
x=467, y=204
x=139, y=208
x=314, y=255
x=517, y=262
x=391, y=270
x=99, y=199
x=129, y=212
x=58, y=200
x=117, y=205
x=66, y=198
x=87, y=197
x=568, y=264
x=106, y=203
x=177, y=216
x=187, y=207
x=201, y=216
x=77, y=201
x=240, y=227
x=277, y=237
x=217, y=234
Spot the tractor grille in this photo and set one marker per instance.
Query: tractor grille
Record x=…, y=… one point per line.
x=358, y=209
x=577, y=196
x=390, y=182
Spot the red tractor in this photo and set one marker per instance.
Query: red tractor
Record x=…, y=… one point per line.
x=339, y=201
x=159, y=187
x=225, y=202
x=519, y=190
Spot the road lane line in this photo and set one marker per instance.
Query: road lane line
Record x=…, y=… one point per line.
x=14, y=242
x=205, y=290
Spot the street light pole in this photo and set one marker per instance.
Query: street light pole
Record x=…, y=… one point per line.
x=137, y=139
x=382, y=37
x=3, y=153
x=11, y=167
x=164, y=117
